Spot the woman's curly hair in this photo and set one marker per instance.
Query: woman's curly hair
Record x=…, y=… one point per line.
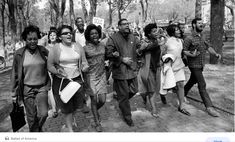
x=88, y=30
x=28, y=29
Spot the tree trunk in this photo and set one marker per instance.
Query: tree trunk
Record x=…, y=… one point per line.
x=3, y=30
x=12, y=6
x=52, y=17
x=110, y=13
x=198, y=9
x=146, y=10
x=61, y=15
x=20, y=13
x=142, y=12
x=217, y=21
x=231, y=9
x=71, y=11
x=84, y=10
x=59, y=8
x=92, y=13
x=119, y=5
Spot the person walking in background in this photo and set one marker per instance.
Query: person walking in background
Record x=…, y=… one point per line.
x=195, y=48
x=174, y=46
x=149, y=73
x=121, y=50
x=96, y=77
x=79, y=37
x=78, y=34
x=52, y=40
x=67, y=61
x=30, y=79
x=181, y=27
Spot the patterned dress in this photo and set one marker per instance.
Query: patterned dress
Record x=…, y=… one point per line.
x=95, y=55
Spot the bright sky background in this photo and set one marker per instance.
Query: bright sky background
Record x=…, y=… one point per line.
x=42, y=3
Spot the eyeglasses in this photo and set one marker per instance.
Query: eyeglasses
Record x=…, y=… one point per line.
x=66, y=33
x=124, y=24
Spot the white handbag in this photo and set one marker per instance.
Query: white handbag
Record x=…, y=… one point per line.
x=69, y=90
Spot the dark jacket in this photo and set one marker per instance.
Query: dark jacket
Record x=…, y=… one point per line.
x=126, y=48
x=154, y=49
x=17, y=76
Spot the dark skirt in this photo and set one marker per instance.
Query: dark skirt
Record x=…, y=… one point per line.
x=75, y=102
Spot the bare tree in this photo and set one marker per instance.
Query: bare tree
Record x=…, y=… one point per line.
x=110, y=12
x=186, y=9
x=216, y=32
x=92, y=13
x=12, y=17
x=59, y=7
x=2, y=8
x=121, y=6
x=144, y=9
x=173, y=15
x=71, y=12
x=85, y=12
x=198, y=9
x=230, y=4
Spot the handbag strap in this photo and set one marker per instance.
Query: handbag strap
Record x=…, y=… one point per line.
x=62, y=83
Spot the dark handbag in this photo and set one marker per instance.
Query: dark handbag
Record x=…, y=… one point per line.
x=17, y=117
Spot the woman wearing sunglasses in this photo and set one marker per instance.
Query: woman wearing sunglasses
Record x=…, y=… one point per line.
x=67, y=61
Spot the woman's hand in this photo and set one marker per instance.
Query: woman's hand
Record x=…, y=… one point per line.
x=116, y=54
x=61, y=73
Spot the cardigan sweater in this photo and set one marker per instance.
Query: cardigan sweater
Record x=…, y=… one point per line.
x=54, y=59
x=17, y=75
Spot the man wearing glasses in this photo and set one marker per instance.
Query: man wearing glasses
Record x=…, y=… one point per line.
x=121, y=50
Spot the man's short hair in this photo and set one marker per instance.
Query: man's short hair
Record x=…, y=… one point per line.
x=120, y=21
x=195, y=21
x=78, y=19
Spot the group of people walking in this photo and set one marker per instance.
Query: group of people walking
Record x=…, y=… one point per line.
x=149, y=67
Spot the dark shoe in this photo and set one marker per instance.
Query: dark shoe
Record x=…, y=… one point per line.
x=163, y=99
x=98, y=128
x=85, y=109
x=211, y=111
x=184, y=111
x=144, y=97
x=129, y=122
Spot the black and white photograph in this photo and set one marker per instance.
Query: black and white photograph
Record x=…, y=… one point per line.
x=133, y=67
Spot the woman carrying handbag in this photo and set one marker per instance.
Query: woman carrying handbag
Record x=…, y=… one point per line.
x=67, y=61
x=30, y=78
